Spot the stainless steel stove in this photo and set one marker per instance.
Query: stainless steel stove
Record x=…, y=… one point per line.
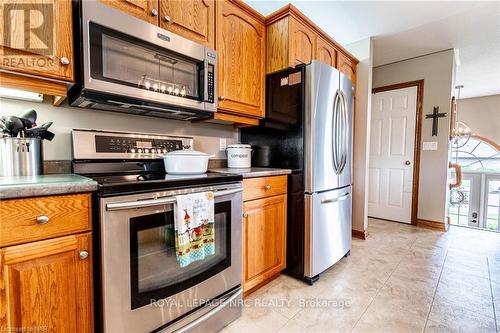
x=142, y=287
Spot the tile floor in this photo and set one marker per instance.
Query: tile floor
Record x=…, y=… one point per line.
x=401, y=279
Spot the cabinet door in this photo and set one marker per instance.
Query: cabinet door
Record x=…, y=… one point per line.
x=264, y=236
x=302, y=43
x=193, y=19
x=46, y=50
x=146, y=10
x=346, y=66
x=325, y=52
x=240, y=45
x=46, y=286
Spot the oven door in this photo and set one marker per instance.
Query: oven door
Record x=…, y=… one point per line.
x=143, y=285
x=125, y=56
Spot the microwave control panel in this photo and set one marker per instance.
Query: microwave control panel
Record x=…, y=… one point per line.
x=117, y=144
x=210, y=83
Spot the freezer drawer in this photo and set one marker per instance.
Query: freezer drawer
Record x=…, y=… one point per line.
x=328, y=228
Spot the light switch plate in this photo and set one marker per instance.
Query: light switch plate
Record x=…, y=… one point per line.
x=222, y=144
x=431, y=145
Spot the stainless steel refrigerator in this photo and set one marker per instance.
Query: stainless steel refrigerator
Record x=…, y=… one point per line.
x=308, y=128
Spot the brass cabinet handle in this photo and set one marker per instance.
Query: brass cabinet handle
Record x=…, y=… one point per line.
x=43, y=219
x=65, y=61
x=245, y=215
x=154, y=12
x=84, y=255
x=166, y=18
x=221, y=98
x=267, y=187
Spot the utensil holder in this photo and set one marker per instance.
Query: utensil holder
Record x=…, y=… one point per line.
x=21, y=157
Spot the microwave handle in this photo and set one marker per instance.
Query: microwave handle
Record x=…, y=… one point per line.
x=159, y=201
x=205, y=81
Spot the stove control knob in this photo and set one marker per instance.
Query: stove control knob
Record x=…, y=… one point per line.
x=132, y=150
x=165, y=151
x=139, y=150
x=158, y=151
x=146, y=150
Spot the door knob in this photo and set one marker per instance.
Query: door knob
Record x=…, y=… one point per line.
x=64, y=61
x=166, y=18
x=154, y=12
x=407, y=163
x=84, y=255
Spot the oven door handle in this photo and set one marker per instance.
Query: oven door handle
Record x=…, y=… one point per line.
x=159, y=201
x=209, y=314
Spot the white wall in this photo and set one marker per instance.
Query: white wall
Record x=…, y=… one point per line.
x=437, y=71
x=363, y=51
x=482, y=114
x=66, y=118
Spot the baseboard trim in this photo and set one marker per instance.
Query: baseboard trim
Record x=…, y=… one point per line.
x=433, y=225
x=360, y=234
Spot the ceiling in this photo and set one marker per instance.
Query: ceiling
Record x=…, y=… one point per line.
x=403, y=30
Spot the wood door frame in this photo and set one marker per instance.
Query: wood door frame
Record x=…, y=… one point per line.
x=418, y=136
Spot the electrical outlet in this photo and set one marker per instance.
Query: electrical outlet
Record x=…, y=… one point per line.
x=432, y=145
x=222, y=144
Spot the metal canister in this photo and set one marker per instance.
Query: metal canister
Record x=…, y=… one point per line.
x=21, y=157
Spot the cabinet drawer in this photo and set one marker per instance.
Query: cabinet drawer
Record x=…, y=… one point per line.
x=256, y=188
x=25, y=220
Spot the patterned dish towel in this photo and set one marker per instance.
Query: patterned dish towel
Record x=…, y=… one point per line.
x=194, y=227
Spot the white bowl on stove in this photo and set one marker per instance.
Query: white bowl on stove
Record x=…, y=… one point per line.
x=186, y=162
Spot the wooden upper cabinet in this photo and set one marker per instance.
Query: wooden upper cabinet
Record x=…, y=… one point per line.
x=47, y=51
x=146, y=10
x=240, y=43
x=347, y=66
x=302, y=43
x=47, y=285
x=293, y=39
x=325, y=52
x=192, y=19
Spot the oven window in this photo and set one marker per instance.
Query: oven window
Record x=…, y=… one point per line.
x=120, y=58
x=155, y=272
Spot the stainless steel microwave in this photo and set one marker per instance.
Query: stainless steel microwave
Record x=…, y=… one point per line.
x=124, y=64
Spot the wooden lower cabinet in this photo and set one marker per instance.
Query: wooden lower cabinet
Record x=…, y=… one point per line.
x=46, y=286
x=264, y=235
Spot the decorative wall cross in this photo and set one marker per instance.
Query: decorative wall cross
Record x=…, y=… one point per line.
x=435, y=115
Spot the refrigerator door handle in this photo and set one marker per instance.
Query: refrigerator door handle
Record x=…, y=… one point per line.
x=341, y=198
x=345, y=132
x=336, y=132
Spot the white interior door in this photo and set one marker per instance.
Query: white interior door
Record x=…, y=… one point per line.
x=392, y=144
